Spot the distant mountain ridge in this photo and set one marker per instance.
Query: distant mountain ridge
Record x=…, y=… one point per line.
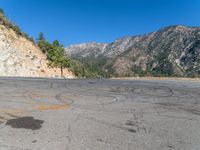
x=170, y=51
x=86, y=49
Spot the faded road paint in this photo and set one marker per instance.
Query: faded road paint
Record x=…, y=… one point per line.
x=52, y=107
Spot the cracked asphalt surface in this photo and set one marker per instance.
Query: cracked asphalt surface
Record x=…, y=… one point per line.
x=52, y=114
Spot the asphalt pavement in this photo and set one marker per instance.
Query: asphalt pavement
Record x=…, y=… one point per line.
x=59, y=114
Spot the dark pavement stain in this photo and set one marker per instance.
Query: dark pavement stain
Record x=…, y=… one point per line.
x=132, y=130
x=100, y=140
x=26, y=123
x=130, y=123
x=91, y=82
x=35, y=141
x=170, y=147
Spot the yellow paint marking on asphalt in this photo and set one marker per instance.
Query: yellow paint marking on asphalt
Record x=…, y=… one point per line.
x=38, y=95
x=52, y=107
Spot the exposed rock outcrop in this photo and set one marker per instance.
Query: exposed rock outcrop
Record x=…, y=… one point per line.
x=21, y=57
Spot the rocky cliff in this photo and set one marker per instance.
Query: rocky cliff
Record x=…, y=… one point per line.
x=21, y=57
x=92, y=49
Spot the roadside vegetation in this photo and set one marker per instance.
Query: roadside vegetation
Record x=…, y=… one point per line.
x=55, y=53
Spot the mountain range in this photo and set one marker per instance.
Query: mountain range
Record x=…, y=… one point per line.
x=170, y=51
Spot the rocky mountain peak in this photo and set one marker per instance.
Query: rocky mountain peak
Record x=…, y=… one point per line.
x=86, y=49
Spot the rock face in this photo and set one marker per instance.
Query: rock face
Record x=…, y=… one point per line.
x=171, y=51
x=21, y=57
x=86, y=49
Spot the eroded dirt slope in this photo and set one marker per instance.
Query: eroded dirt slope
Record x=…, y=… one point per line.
x=20, y=57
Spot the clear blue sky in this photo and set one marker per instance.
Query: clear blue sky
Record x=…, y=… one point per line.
x=77, y=21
